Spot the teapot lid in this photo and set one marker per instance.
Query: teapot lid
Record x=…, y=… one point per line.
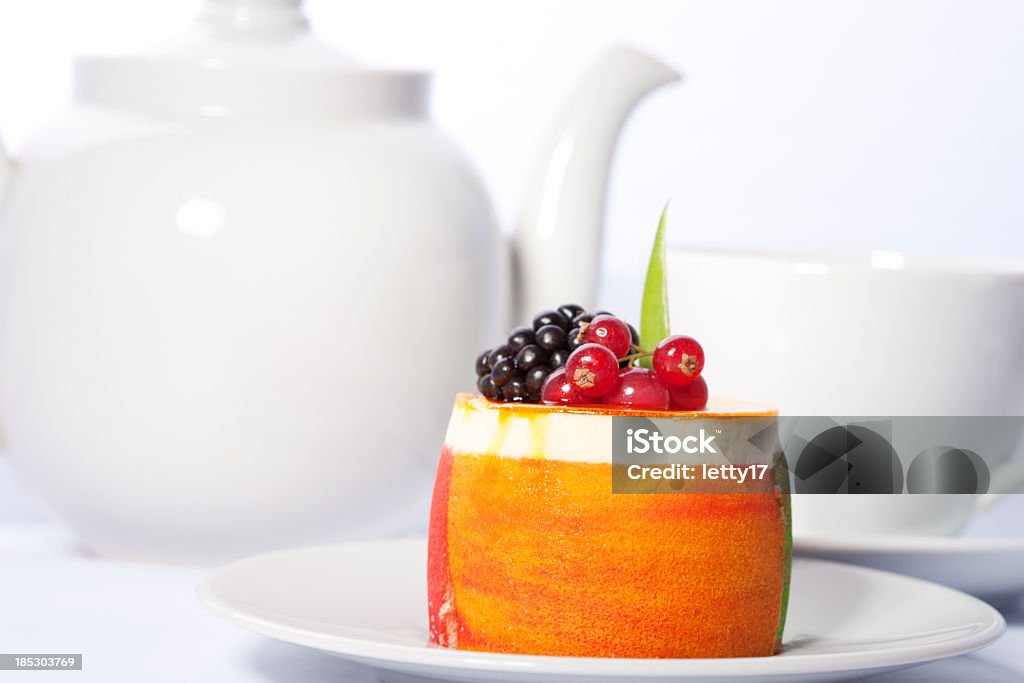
x=253, y=58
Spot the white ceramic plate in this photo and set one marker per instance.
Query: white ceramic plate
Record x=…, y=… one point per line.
x=367, y=602
x=990, y=568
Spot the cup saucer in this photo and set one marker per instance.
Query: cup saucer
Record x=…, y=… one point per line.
x=988, y=568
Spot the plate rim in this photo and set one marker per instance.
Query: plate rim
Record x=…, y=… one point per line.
x=387, y=655
x=909, y=545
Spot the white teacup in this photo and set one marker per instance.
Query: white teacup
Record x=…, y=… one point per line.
x=876, y=334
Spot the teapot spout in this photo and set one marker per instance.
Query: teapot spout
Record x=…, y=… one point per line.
x=557, y=246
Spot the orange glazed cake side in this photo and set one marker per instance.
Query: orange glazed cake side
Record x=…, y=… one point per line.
x=530, y=552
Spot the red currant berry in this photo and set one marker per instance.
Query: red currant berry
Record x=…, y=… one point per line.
x=692, y=396
x=592, y=369
x=678, y=360
x=609, y=331
x=557, y=389
x=639, y=388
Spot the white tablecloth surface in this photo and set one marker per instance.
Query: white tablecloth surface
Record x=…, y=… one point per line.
x=138, y=622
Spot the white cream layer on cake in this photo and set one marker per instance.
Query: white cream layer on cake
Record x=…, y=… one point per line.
x=584, y=434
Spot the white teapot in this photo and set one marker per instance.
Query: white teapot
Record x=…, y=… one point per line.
x=242, y=277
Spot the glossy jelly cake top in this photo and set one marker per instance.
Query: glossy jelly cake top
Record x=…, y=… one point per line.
x=716, y=407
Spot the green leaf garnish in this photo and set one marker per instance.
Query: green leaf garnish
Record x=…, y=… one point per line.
x=654, y=309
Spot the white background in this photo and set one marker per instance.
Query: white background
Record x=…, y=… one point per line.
x=846, y=124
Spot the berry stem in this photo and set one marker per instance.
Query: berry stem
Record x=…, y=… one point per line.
x=640, y=353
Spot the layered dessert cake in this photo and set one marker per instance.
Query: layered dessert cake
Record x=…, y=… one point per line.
x=532, y=550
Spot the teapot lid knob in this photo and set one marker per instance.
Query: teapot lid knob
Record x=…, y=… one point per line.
x=261, y=19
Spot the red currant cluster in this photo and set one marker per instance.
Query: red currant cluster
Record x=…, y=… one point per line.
x=592, y=374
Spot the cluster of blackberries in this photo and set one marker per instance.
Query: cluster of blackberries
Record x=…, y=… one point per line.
x=516, y=370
